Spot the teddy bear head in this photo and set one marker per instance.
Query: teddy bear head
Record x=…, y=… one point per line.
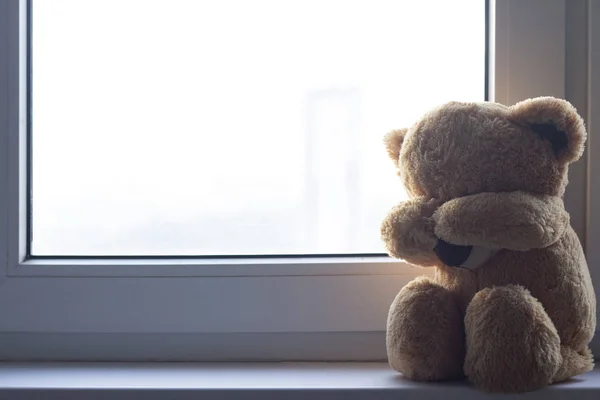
x=460, y=149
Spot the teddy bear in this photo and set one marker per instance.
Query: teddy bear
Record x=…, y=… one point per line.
x=511, y=306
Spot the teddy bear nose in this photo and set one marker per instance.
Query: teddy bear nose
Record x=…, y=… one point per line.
x=451, y=254
x=467, y=257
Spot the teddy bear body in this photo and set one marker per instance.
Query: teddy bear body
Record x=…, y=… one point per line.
x=512, y=305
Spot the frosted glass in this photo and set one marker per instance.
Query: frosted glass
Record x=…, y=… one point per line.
x=249, y=127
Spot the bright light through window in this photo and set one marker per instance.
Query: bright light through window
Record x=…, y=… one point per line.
x=222, y=127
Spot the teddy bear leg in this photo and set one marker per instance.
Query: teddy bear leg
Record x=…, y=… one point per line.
x=512, y=345
x=425, y=333
x=573, y=363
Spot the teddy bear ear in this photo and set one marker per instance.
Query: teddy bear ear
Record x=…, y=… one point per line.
x=393, y=143
x=556, y=121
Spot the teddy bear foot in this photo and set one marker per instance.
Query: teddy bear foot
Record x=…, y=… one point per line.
x=573, y=363
x=512, y=345
x=425, y=333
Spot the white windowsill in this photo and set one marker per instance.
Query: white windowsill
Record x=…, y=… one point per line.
x=236, y=381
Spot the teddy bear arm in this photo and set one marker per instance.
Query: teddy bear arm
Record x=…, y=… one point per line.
x=509, y=220
x=408, y=232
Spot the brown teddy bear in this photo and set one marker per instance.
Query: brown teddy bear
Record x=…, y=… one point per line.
x=511, y=306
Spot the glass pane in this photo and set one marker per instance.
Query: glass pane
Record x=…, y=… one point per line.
x=233, y=127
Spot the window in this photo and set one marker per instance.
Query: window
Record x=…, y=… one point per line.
x=106, y=293
x=233, y=127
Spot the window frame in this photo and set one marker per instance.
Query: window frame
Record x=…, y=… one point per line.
x=592, y=99
x=330, y=308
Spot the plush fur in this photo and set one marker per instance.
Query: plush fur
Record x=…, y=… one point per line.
x=482, y=174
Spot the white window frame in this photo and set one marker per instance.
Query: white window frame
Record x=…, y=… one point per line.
x=592, y=187
x=241, y=309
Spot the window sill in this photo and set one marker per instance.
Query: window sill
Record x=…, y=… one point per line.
x=236, y=381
